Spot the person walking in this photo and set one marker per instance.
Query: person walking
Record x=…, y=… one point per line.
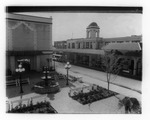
x=89, y=104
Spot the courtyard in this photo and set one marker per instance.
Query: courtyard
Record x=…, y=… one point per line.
x=61, y=101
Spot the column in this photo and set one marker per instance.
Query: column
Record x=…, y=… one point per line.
x=90, y=60
x=9, y=39
x=94, y=45
x=38, y=63
x=50, y=36
x=98, y=33
x=12, y=64
x=135, y=66
x=75, y=58
x=87, y=33
x=35, y=36
x=81, y=45
x=76, y=45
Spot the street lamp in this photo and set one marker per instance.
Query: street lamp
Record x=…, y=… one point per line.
x=67, y=67
x=20, y=70
x=48, y=60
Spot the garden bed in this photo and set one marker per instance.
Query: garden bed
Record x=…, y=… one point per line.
x=42, y=107
x=93, y=95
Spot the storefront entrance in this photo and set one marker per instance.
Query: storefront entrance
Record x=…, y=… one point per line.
x=25, y=64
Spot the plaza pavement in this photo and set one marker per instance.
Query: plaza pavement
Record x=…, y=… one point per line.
x=62, y=103
x=126, y=86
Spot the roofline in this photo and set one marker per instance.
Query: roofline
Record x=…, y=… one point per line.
x=139, y=37
x=111, y=46
x=125, y=36
x=21, y=17
x=97, y=27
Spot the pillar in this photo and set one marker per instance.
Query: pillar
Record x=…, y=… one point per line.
x=75, y=58
x=76, y=45
x=98, y=33
x=87, y=33
x=94, y=45
x=50, y=36
x=7, y=62
x=90, y=60
x=38, y=63
x=12, y=64
x=135, y=66
x=81, y=45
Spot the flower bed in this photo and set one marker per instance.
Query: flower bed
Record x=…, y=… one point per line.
x=42, y=107
x=93, y=95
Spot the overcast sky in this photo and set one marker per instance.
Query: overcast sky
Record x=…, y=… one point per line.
x=73, y=25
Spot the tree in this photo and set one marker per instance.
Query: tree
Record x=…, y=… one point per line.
x=112, y=64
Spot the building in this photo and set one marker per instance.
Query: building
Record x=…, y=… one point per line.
x=28, y=40
x=60, y=44
x=89, y=51
x=131, y=53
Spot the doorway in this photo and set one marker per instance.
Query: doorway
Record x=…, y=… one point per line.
x=25, y=64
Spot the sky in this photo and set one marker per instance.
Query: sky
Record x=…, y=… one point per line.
x=73, y=25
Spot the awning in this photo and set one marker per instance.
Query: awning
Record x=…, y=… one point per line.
x=57, y=55
x=123, y=46
x=29, y=53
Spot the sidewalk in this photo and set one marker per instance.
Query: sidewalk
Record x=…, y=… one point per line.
x=125, y=86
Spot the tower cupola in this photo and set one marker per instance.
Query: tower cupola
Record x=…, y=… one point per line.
x=92, y=30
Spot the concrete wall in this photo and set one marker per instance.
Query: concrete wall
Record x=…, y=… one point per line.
x=24, y=36
x=28, y=33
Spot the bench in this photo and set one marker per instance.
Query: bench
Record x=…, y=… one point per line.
x=12, y=82
x=24, y=81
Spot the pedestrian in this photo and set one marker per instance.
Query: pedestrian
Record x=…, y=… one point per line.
x=89, y=104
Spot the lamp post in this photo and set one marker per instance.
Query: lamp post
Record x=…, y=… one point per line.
x=67, y=67
x=48, y=60
x=20, y=70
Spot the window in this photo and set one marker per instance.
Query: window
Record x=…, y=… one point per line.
x=135, y=41
x=119, y=41
x=78, y=45
x=73, y=45
x=69, y=45
x=91, y=45
x=87, y=44
x=106, y=43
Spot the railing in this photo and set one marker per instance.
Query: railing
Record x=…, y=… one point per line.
x=26, y=101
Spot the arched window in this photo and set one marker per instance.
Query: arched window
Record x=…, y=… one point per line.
x=96, y=34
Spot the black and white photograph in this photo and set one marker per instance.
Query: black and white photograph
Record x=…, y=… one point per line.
x=73, y=59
